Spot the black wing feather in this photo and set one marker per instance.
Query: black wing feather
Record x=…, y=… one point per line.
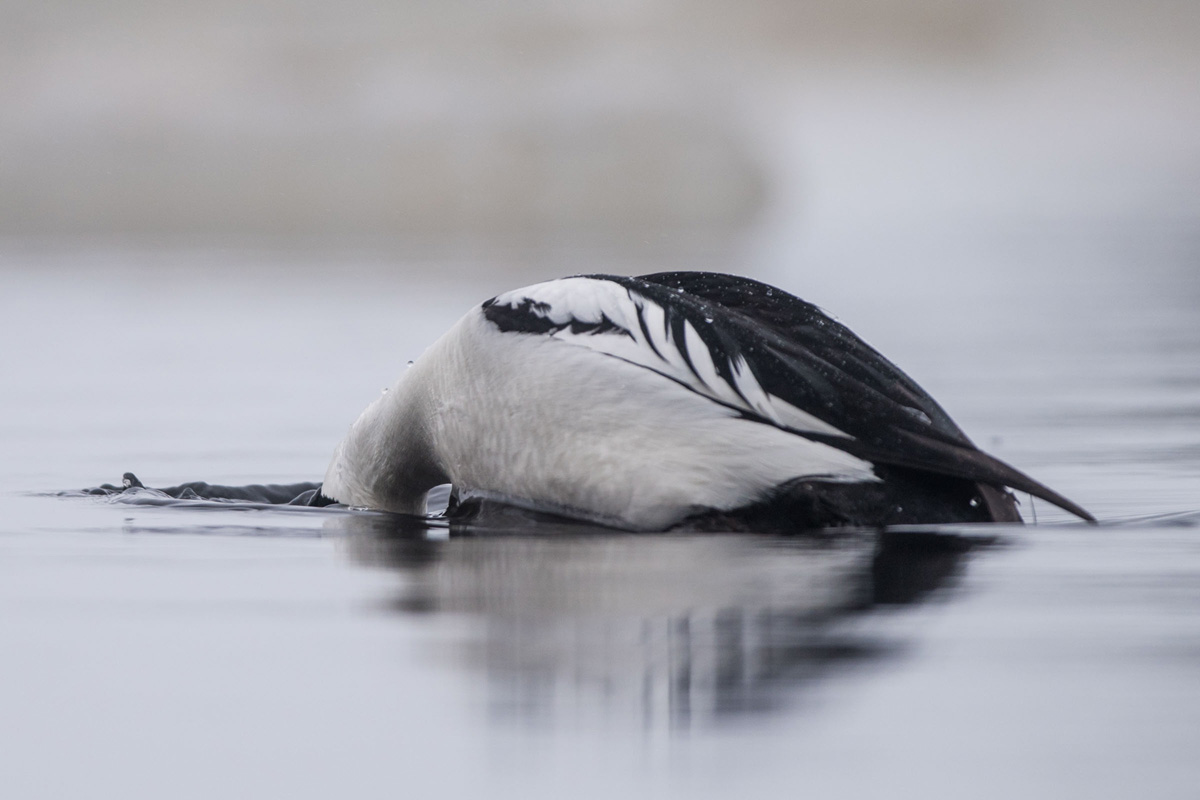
x=828, y=365
x=805, y=358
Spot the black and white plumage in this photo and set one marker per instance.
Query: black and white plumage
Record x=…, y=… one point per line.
x=648, y=402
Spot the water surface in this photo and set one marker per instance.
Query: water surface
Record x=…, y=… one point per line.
x=191, y=651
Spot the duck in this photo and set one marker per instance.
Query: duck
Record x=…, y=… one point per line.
x=667, y=401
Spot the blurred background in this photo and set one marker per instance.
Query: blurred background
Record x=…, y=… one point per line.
x=535, y=138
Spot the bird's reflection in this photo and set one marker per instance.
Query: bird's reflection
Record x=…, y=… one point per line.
x=676, y=629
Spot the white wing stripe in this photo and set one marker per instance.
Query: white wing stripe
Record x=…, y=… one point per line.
x=650, y=344
x=750, y=389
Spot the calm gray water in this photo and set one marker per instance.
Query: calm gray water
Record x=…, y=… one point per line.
x=196, y=652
